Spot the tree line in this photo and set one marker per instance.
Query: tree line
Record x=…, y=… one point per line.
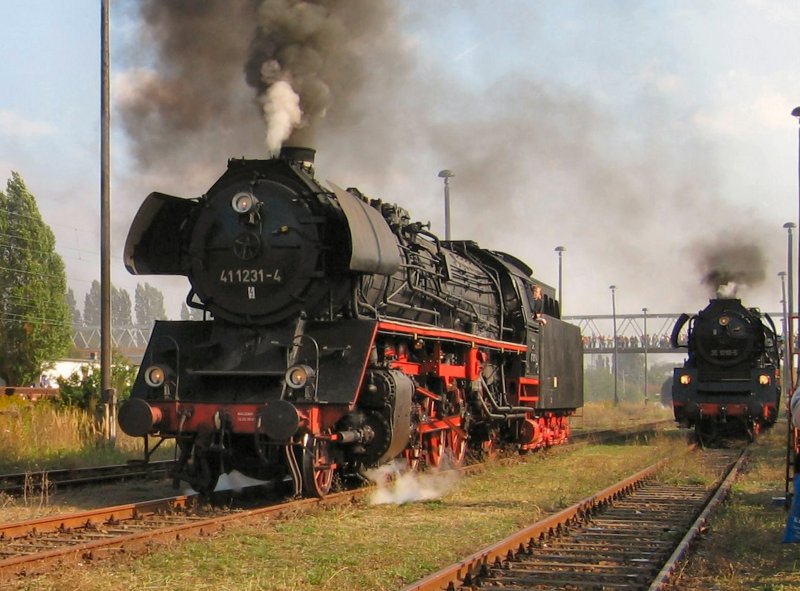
x=146, y=307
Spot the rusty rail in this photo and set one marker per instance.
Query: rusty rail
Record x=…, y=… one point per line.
x=664, y=576
x=32, y=547
x=35, y=481
x=463, y=572
x=608, y=538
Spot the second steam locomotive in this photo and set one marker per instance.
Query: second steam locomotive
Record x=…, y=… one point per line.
x=730, y=383
x=337, y=335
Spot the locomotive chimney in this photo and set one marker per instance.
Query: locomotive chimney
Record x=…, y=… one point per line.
x=304, y=156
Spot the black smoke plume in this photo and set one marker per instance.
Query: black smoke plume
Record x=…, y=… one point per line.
x=228, y=75
x=537, y=163
x=730, y=264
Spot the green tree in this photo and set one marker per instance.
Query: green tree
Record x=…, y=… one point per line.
x=91, y=305
x=73, y=309
x=149, y=304
x=120, y=306
x=35, y=320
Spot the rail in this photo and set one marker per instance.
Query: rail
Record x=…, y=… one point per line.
x=621, y=537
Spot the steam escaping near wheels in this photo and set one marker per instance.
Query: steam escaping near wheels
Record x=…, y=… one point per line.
x=236, y=482
x=396, y=484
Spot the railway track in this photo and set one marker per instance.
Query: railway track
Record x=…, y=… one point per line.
x=34, y=546
x=628, y=536
x=35, y=482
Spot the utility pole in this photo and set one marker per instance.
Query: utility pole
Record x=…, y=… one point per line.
x=645, y=341
x=108, y=394
x=613, y=289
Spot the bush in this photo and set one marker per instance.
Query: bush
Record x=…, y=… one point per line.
x=82, y=389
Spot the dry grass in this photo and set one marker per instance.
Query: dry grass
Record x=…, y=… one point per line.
x=40, y=436
x=605, y=415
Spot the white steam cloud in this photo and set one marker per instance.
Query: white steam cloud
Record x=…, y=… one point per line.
x=728, y=290
x=396, y=485
x=282, y=114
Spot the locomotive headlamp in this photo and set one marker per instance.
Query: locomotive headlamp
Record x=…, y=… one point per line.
x=685, y=379
x=763, y=380
x=155, y=376
x=298, y=376
x=724, y=320
x=243, y=202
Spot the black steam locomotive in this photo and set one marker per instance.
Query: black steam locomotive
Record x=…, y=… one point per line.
x=338, y=335
x=729, y=386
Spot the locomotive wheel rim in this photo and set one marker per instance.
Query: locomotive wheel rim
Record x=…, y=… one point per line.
x=456, y=445
x=490, y=448
x=435, y=450
x=317, y=467
x=412, y=455
x=455, y=442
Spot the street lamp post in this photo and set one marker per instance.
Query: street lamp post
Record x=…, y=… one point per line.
x=786, y=389
x=644, y=311
x=795, y=113
x=613, y=289
x=446, y=175
x=785, y=386
x=560, y=250
x=790, y=301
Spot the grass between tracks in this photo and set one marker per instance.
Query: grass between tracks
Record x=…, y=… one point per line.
x=742, y=549
x=604, y=415
x=377, y=546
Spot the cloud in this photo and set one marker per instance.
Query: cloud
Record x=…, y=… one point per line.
x=14, y=124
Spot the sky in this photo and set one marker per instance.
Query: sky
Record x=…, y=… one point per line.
x=653, y=141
